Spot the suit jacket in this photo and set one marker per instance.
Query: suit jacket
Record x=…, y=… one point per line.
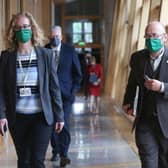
x=69, y=71
x=48, y=85
x=136, y=78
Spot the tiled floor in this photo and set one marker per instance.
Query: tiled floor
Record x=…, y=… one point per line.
x=98, y=141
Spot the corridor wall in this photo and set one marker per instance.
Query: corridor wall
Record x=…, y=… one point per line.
x=130, y=20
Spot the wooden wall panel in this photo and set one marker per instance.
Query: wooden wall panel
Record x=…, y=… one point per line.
x=7, y=9
x=155, y=10
x=123, y=30
x=143, y=23
x=123, y=36
x=117, y=51
x=46, y=16
x=126, y=51
x=1, y=39
x=27, y=6
x=112, y=51
x=163, y=12
x=136, y=23
x=11, y=8
x=38, y=11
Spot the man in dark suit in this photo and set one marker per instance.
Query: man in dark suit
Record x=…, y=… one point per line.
x=149, y=68
x=69, y=76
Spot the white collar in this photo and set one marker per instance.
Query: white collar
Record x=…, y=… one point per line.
x=159, y=56
x=58, y=48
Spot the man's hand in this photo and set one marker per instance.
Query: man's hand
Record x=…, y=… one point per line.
x=3, y=126
x=127, y=108
x=153, y=84
x=59, y=126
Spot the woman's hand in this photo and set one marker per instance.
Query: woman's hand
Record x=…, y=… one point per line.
x=59, y=126
x=3, y=126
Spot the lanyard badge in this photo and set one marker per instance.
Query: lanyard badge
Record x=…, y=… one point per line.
x=25, y=91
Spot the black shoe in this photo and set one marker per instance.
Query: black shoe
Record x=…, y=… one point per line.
x=64, y=161
x=55, y=158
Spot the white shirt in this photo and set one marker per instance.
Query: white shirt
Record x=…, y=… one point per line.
x=155, y=63
x=58, y=48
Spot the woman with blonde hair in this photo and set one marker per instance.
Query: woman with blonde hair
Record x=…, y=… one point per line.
x=30, y=96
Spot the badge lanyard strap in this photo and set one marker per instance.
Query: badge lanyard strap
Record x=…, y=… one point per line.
x=25, y=74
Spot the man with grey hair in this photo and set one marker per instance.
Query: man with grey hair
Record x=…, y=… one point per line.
x=69, y=76
x=149, y=69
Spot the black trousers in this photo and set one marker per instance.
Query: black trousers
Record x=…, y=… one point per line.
x=31, y=135
x=60, y=142
x=152, y=145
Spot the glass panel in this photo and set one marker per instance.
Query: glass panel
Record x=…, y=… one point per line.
x=77, y=27
x=88, y=38
x=88, y=27
x=77, y=38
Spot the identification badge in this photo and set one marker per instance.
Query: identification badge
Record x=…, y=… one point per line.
x=25, y=92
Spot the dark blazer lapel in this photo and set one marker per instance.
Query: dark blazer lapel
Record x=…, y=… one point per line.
x=164, y=67
x=61, y=53
x=40, y=67
x=12, y=68
x=61, y=57
x=143, y=60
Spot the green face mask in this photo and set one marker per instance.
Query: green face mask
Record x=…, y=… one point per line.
x=23, y=35
x=153, y=44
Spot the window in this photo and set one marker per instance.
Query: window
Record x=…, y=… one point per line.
x=88, y=29
x=82, y=31
x=77, y=32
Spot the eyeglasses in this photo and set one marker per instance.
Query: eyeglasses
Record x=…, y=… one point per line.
x=25, y=26
x=153, y=35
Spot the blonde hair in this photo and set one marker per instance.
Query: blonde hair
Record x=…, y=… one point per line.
x=92, y=59
x=37, y=33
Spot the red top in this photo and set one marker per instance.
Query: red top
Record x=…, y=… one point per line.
x=95, y=78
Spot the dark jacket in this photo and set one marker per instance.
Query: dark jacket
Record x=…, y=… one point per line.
x=136, y=78
x=69, y=71
x=48, y=85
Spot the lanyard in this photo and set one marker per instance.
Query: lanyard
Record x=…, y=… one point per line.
x=25, y=74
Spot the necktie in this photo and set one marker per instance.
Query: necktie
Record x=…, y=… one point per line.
x=57, y=58
x=153, y=64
